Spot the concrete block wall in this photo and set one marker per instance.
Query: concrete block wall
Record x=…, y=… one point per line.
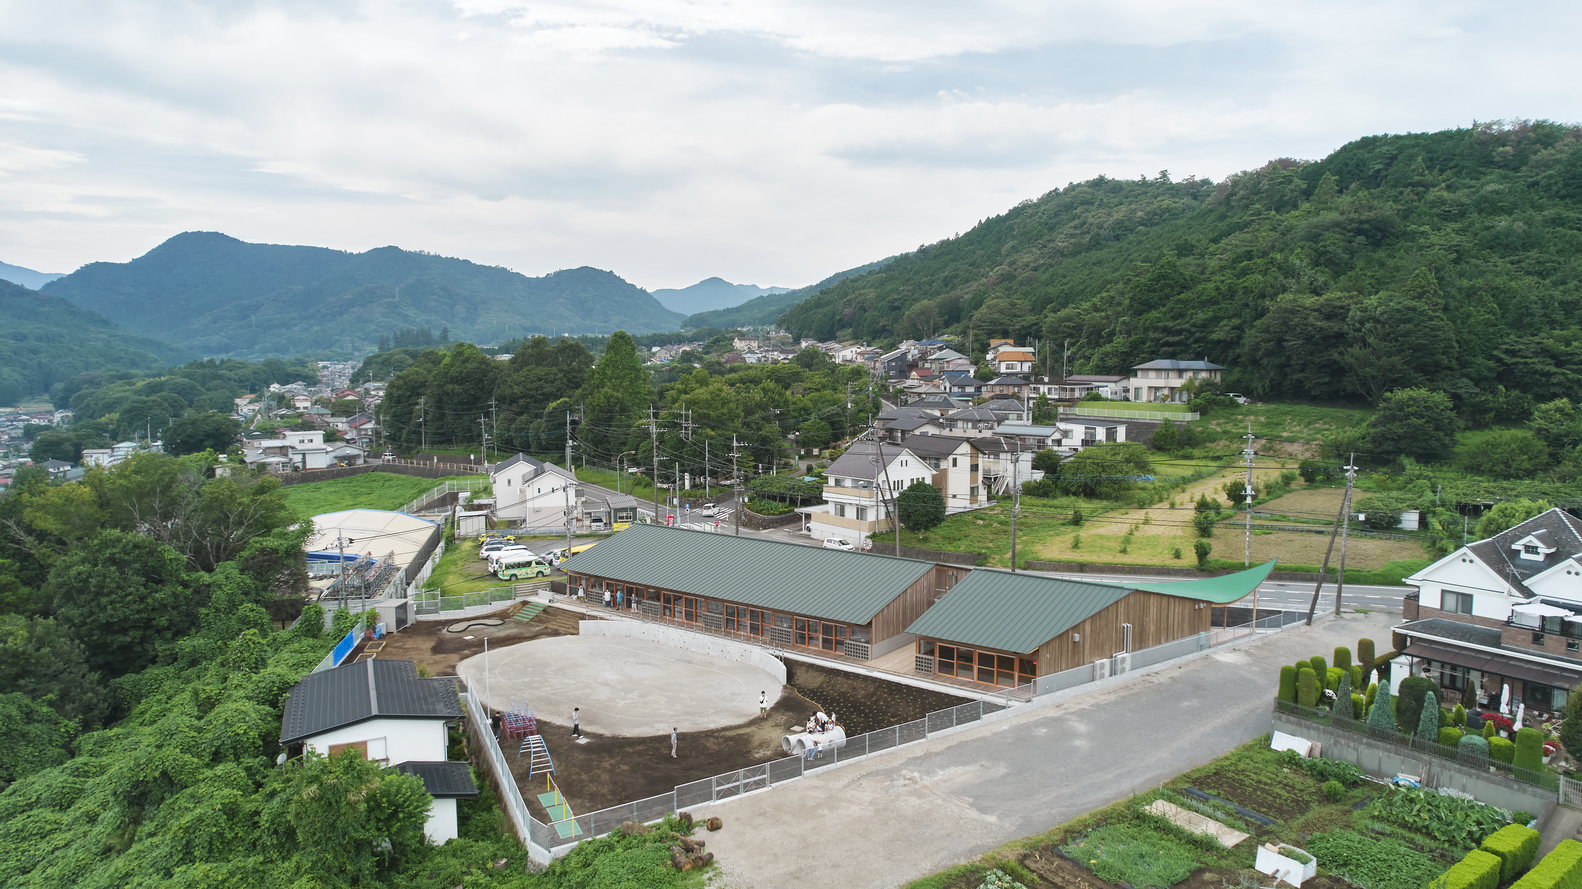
x=690, y=641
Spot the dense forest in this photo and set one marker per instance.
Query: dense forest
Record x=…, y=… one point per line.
x=1449, y=260
x=450, y=398
x=762, y=311
x=218, y=296
x=45, y=341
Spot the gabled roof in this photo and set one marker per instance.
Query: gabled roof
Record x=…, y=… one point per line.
x=1174, y=364
x=835, y=585
x=371, y=689
x=858, y=463
x=1564, y=533
x=1007, y=381
x=907, y=424
x=1021, y=429
x=946, y=355
x=1014, y=355
x=926, y=446
x=981, y=414
x=992, y=608
x=443, y=779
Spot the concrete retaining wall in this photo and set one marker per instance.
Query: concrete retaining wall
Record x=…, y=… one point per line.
x=690, y=641
x=933, y=555
x=1386, y=761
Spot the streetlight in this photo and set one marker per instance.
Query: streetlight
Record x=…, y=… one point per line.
x=618, y=476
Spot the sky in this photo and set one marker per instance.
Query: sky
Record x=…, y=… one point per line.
x=765, y=142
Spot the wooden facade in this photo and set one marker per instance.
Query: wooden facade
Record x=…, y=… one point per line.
x=1155, y=619
x=895, y=617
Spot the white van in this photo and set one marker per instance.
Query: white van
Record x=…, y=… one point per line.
x=518, y=566
x=510, y=552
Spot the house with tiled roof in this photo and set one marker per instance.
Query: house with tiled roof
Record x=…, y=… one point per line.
x=1502, y=612
x=1161, y=380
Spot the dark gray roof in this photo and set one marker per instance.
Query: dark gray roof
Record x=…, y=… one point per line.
x=857, y=462
x=850, y=587
x=1174, y=364
x=443, y=779
x=1563, y=532
x=906, y=424
x=1007, y=381
x=897, y=413
x=1442, y=628
x=935, y=445
x=979, y=414
x=996, y=609
x=1005, y=405
x=371, y=689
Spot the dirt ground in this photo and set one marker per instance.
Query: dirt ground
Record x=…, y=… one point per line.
x=427, y=643
x=1308, y=503
x=610, y=770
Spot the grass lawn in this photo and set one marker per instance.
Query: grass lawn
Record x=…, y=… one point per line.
x=1359, y=839
x=1302, y=422
x=461, y=571
x=371, y=490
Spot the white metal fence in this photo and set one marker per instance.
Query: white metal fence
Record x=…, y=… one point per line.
x=1113, y=413
x=445, y=487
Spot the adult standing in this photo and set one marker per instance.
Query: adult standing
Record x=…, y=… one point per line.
x=576, y=722
x=606, y=598
x=672, y=742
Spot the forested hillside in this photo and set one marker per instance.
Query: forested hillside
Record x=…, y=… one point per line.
x=1448, y=260
x=45, y=340
x=763, y=310
x=218, y=296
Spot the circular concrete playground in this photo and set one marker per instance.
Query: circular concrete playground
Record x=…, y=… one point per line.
x=624, y=686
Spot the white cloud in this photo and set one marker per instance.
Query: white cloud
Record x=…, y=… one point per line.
x=669, y=140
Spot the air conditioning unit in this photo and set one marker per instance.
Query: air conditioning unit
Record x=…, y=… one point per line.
x=1123, y=663
x=1101, y=669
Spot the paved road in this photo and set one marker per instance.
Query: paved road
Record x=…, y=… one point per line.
x=892, y=818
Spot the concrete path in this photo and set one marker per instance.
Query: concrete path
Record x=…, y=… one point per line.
x=892, y=818
x=624, y=686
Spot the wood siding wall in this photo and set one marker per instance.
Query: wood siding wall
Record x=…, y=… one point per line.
x=1155, y=619
x=895, y=617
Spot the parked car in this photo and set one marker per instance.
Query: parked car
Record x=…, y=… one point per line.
x=510, y=552
x=1238, y=398
x=490, y=547
x=838, y=543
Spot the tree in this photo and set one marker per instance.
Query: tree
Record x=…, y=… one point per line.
x=1507, y=515
x=1164, y=438
x=1416, y=423
x=1105, y=471
x=920, y=506
x=1343, y=698
x=1047, y=461
x=1571, y=729
x=1414, y=692
x=40, y=659
x=1202, y=548
x=209, y=431
x=1380, y=716
x=1506, y=453
x=813, y=434
x=54, y=446
x=1428, y=722
x=121, y=596
x=1557, y=424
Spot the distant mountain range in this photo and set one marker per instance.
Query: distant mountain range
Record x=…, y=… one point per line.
x=710, y=294
x=26, y=277
x=768, y=308
x=45, y=340
x=217, y=296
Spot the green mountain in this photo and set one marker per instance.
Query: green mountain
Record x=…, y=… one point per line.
x=219, y=296
x=763, y=310
x=711, y=294
x=46, y=340
x=16, y=274
x=1451, y=260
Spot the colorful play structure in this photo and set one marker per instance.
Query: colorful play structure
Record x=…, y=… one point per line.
x=519, y=722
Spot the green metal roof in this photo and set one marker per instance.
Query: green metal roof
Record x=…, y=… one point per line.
x=991, y=608
x=829, y=584
x=1220, y=590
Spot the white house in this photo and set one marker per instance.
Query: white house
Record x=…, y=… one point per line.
x=1161, y=380
x=533, y=493
x=384, y=712
x=857, y=504
x=302, y=448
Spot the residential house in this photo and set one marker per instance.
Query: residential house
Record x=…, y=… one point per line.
x=1037, y=438
x=1072, y=388
x=753, y=356
x=744, y=344
x=56, y=468
x=1006, y=629
x=533, y=493
x=908, y=423
x=1080, y=433
x=1501, y=613
x=850, y=604
x=1015, y=361
x=98, y=457
x=938, y=405
x=954, y=462
x=859, y=489
x=850, y=354
x=892, y=365
x=963, y=384
x=1008, y=387
x=948, y=360
x=1161, y=380
x=300, y=402
x=1008, y=410
x=291, y=448
x=1003, y=464
x=971, y=421
x=996, y=346
x=383, y=711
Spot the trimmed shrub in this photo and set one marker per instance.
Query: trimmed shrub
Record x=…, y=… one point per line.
x=1379, y=715
x=1428, y=722
x=1357, y=677
x=1488, y=728
x=1343, y=708
x=1560, y=869
x=1319, y=665
x=1343, y=657
x=1477, y=870
x=1307, y=689
x=1409, y=699
x=1334, y=791
x=1288, y=684
x=1359, y=706
x=1472, y=747
x=1459, y=716
x=1446, y=717
x=1373, y=690
x=1365, y=655
x=1529, y=753
x=1503, y=750
x=1332, y=678
x=1515, y=845
x=1450, y=736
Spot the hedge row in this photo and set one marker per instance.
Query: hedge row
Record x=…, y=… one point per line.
x=1477, y=870
x=1515, y=844
x=1560, y=869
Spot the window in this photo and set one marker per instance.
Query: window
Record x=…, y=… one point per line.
x=972, y=468
x=1456, y=603
x=1529, y=549
x=973, y=491
x=840, y=510
x=1538, y=638
x=933, y=462
x=953, y=460
x=862, y=513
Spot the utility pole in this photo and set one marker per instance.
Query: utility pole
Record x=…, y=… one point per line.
x=653, y=439
x=705, y=469
x=1322, y=571
x=568, y=443
x=422, y=426
x=494, y=424
x=1345, y=528
x=1248, y=453
x=1065, y=361
x=736, y=486
x=483, y=435
x=1016, y=500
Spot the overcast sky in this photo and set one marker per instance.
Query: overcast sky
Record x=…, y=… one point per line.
x=769, y=143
